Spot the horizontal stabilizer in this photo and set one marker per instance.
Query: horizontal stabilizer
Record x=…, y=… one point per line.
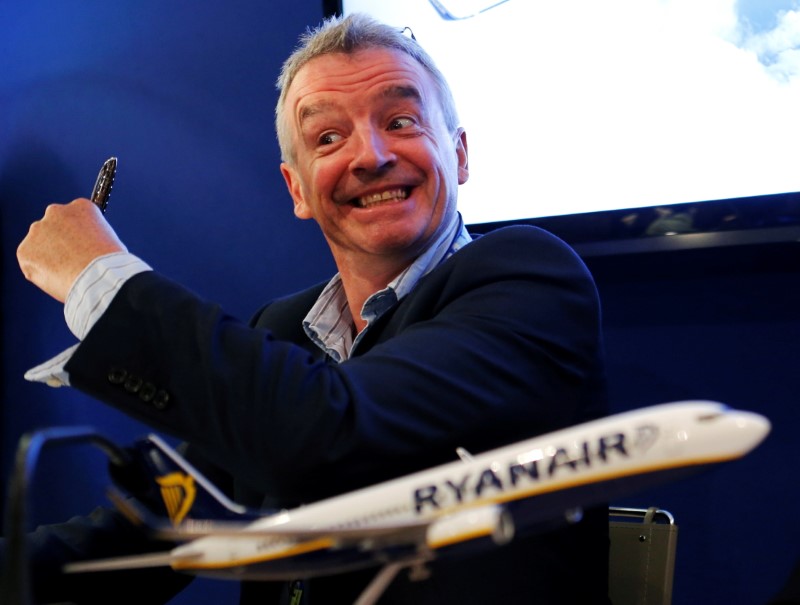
x=159, y=559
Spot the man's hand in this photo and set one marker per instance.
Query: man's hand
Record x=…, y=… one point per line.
x=60, y=245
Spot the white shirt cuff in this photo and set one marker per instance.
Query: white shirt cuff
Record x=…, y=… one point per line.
x=95, y=288
x=52, y=372
x=88, y=299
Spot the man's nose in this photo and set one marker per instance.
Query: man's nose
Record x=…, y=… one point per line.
x=372, y=151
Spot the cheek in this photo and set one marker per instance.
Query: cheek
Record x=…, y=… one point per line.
x=324, y=177
x=438, y=157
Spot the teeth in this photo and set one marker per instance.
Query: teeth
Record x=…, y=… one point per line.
x=377, y=198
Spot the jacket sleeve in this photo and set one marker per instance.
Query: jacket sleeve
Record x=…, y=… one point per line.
x=499, y=343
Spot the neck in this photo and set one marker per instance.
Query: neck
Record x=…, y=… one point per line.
x=365, y=279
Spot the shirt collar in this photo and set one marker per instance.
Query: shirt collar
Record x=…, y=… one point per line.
x=329, y=323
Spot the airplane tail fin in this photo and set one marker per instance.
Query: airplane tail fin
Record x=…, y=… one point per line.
x=165, y=484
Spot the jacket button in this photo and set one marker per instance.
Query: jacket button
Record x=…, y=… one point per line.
x=147, y=392
x=161, y=400
x=133, y=384
x=117, y=375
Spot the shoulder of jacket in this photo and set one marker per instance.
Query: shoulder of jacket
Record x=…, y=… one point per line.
x=517, y=233
x=520, y=240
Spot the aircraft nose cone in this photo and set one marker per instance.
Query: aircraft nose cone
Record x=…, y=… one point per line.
x=753, y=427
x=734, y=433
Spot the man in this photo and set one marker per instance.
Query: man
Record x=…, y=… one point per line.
x=423, y=342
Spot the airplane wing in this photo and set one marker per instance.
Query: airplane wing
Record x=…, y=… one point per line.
x=411, y=543
x=411, y=535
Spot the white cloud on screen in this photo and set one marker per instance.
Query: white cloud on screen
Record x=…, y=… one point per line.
x=779, y=48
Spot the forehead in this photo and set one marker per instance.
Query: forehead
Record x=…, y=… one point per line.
x=365, y=73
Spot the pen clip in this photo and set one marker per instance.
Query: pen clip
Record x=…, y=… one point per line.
x=103, y=184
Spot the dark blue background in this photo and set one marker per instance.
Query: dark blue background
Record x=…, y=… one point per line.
x=183, y=93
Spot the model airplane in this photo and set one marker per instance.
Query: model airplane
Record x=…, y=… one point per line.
x=407, y=521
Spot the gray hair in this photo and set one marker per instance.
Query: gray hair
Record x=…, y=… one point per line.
x=348, y=35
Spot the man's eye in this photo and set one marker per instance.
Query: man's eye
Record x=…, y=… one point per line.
x=398, y=123
x=329, y=138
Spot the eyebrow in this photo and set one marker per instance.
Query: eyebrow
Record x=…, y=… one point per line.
x=398, y=91
x=395, y=91
x=309, y=111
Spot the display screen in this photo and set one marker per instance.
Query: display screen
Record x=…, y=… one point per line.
x=585, y=106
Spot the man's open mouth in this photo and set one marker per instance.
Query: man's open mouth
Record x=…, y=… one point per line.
x=390, y=195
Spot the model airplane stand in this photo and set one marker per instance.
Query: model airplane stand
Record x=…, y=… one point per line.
x=642, y=556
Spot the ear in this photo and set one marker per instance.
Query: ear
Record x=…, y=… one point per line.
x=294, y=185
x=461, y=153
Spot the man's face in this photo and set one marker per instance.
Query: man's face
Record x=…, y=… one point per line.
x=374, y=163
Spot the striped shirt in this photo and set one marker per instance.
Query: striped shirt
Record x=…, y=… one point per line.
x=329, y=323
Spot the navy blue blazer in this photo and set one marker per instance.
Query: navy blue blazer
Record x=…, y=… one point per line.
x=499, y=343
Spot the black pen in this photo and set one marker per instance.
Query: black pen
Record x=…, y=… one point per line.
x=102, y=186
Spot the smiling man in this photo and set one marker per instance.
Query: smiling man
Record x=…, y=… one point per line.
x=425, y=341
